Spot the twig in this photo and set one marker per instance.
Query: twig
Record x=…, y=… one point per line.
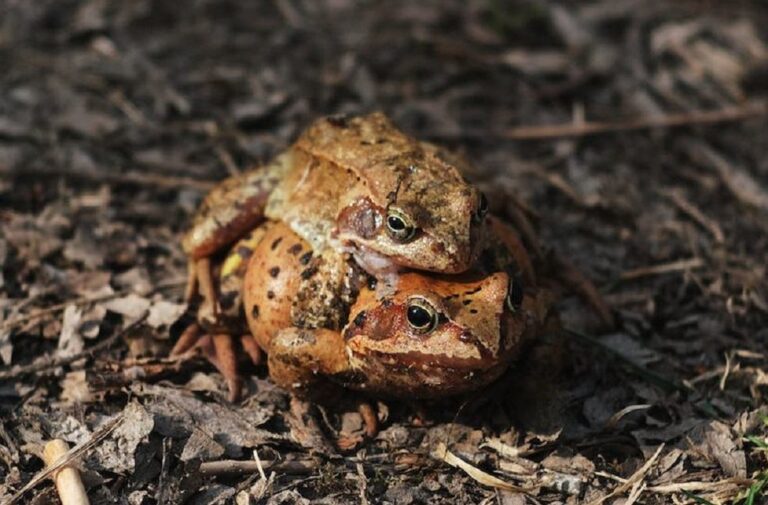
x=68, y=482
x=636, y=477
x=238, y=467
x=18, y=371
x=73, y=453
x=361, y=479
x=134, y=178
x=664, y=268
x=615, y=418
x=694, y=213
x=701, y=117
x=737, y=179
x=442, y=453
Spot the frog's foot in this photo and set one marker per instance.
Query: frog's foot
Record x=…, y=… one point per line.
x=370, y=419
x=218, y=349
x=420, y=417
x=348, y=441
x=577, y=282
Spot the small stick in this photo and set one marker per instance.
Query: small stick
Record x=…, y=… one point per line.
x=68, y=483
x=665, y=268
x=134, y=178
x=77, y=451
x=238, y=467
x=697, y=117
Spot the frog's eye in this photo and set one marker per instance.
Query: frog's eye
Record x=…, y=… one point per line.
x=514, y=294
x=400, y=225
x=482, y=208
x=422, y=316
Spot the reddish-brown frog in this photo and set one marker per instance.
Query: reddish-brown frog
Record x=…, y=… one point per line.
x=357, y=185
x=322, y=322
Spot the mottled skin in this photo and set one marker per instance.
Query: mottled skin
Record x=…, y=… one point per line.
x=288, y=288
x=352, y=184
x=480, y=322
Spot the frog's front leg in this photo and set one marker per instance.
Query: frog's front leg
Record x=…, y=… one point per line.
x=233, y=207
x=307, y=362
x=302, y=360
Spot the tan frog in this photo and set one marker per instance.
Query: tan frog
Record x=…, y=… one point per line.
x=358, y=185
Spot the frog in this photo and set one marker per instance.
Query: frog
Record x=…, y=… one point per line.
x=431, y=337
x=279, y=283
x=354, y=184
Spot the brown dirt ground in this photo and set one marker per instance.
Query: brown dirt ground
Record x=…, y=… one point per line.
x=115, y=117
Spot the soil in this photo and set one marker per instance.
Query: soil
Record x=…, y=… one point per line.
x=632, y=133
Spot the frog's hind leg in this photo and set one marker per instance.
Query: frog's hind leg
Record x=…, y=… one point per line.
x=218, y=349
x=232, y=208
x=252, y=349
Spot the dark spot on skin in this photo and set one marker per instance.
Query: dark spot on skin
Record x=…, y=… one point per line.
x=274, y=272
x=438, y=248
x=295, y=249
x=465, y=336
x=309, y=272
x=386, y=303
x=270, y=294
x=473, y=311
x=372, y=282
x=473, y=291
x=227, y=300
x=255, y=312
x=360, y=319
x=466, y=302
x=276, y=243
x=244, y=252
x=305, y=258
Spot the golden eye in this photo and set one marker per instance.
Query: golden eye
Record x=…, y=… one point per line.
x=400, y=226
x=421, y=315
x=515, y=294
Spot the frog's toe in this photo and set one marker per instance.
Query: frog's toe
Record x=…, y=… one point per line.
x=223, y=356
x=252, y=349
x=218, y=349
x=370, y=419
x=188, y=339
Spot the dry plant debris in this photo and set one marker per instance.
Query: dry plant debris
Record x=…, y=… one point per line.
x=633, y=132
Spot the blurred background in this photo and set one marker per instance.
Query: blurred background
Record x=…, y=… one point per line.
x=633, y=132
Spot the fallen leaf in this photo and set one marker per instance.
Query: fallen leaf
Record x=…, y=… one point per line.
x=132, y=306
x=442, y=453
x=164, y=313
x=116, y=452
x=70, y=340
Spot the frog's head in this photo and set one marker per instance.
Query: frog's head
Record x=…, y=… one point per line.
x=436, y=336
x=430, y=218
x=410, y=204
